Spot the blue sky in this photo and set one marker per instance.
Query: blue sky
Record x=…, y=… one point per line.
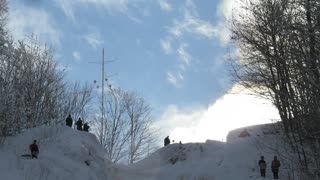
x=173, y=52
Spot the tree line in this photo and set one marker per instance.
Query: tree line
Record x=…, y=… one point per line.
x=279, y=45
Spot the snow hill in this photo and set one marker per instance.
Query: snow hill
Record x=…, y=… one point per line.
x=68, y=154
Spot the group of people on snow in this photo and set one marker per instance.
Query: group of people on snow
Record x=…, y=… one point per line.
x=274, y=167
x=79, y=124
x=275, y=164
x=34, y=149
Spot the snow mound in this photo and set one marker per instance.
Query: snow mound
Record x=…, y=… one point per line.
x=236, y=159
x=65, y=153
x=174, y=153
x=68, y=154
x=254, y=131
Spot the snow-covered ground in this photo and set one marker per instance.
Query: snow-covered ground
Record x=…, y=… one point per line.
x=68, y=154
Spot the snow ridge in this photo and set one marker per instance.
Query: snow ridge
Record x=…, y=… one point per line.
x=68, y=154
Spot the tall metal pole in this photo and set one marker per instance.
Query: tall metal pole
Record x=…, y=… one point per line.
x=102, y=93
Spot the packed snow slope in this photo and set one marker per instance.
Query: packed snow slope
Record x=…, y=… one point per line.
x=236, y=159
x=68, y=154
x=65, y=153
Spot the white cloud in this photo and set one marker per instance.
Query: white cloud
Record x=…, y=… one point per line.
x=76, y=55
x=111, y=6
x=183, y=54
x=25, y=21
x=233, y=110
x=165, y=5
x=191, y=23
x=227, y=7
x=94, y=39
x=135, y=19
x=166, y=45
x=67, y=7
x=175, y=78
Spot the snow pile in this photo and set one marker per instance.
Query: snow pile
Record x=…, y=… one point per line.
x=213, y=160
x=68, y=154
x=257, y=130
x=65, y=153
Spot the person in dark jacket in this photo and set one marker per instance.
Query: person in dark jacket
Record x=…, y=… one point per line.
x=69, y=121
x=263, y=165
x=34, y=149
x=166, y=141
x=275, y=167
x=86, y=127
x=79, y=124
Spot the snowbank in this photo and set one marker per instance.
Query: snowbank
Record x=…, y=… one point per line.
x=65, y=153
x=68, y=154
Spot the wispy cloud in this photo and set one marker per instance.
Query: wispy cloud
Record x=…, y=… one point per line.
x=191, y=23
x=183, y=54
x=194, y=25
x=67, y=8
x=111, y=6
x=175, y=78
x=25, y=21
x=184, y=58
x=165, y=5
x=166, y=45
x=135, y=19
x=94, y=39
x=76, y=55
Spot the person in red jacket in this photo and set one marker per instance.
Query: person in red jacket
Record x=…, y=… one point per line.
x=275, y=167
x=34, y=149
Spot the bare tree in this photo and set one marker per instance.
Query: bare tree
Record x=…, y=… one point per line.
x=139, y=114
x=279, y=45
x=115, y=135
x=127, y=134
x=77, y=100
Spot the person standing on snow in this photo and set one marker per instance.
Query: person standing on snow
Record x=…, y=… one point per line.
x=79, y=124
x=69, y=121
x=263, y=165
x=86, y=127
x=34, y=149
x=275, y=167
x=166, y=141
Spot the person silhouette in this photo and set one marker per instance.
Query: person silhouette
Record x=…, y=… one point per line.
x=79, y=124
x=275, y=167
x=166, y=141
x=34, y=149
x=263, y=165
x=69, y=121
